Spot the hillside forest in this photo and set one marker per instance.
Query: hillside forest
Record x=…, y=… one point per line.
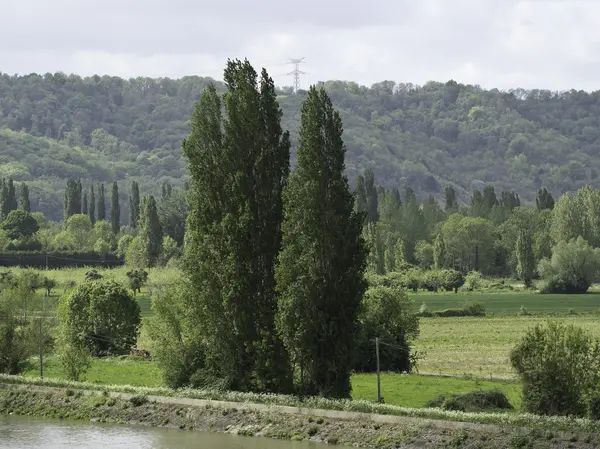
x=55, y=127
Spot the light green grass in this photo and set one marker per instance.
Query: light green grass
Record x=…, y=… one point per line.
x=510, y=303
x=480, y=346
x=415, y=391
x=397, y=389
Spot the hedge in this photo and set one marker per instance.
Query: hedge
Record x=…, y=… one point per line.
x=58, y=260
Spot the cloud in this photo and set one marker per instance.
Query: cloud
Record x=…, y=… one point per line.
x=494, y=43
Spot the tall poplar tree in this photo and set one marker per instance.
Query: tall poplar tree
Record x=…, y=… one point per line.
x=151, y=233
x=12, y=196
x=134, y=205
x=92, y=205
x=4, y=202
x=371, y=196
x=84, y=203
x=320, y=273
x=115, y=209
x=72, y=198
x=101, y=206
x=525, y=258
x=25, y=204
x=238, y=166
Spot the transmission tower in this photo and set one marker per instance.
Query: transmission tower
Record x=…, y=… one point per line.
x=297, y=72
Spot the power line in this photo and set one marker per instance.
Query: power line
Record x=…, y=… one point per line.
x=297, y=72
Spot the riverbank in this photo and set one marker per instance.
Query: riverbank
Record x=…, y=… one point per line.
x=280, y=422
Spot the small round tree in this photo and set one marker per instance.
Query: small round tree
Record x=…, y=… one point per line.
x=19, y=224
x=101, y=315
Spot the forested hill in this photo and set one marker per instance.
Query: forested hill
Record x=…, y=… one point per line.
x=108, y=128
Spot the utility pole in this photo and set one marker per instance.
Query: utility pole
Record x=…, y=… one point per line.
x=297, y=72
x=378, y=378
x=42, y=338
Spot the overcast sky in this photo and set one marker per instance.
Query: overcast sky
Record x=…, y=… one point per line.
x=494, y=43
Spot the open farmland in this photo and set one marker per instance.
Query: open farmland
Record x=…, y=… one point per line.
x=480, y=346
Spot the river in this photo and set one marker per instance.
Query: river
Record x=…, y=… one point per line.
x=28, y=433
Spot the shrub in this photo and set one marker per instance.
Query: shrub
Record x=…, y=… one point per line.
x=137, y=279
x=75, y=360
x=48, y=285
x=388, y=314
x=177, y=349
x=474, y=401
x=92, y=275
x=572, y=268
x=474, y=281
x=559, y=367
x=101, y=315
x=17, y=336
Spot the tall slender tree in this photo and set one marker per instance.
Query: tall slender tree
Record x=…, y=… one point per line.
x=101, y=206
x=72, y=198
x=320, y=273
x=4, y=202
x=544, y=200
x=84, y=203
x=525, y=258
x=92, y=205
x=238, y=167
x=134, y=205
x=450, y=199
x=151, y=233
x=115, y=209
x=25, y=204
x=372, y=196
x=13, y=204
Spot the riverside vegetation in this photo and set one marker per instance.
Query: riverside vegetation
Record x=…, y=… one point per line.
x=255, y=280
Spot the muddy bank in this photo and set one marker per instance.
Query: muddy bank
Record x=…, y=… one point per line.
x=406, y=433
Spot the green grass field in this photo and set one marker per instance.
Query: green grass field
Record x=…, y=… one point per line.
x=479, y=346
x=397, y=389
x=510, y=303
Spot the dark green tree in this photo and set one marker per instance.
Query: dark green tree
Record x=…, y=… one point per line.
x=11, y=199
x=371, y=195
x=101, y=207
x=92, y=205
x=151, y=233
x=25, y=204
x=72, y=198
x=544, y=200
x=84, y=203
x=19, y=224
x=361, y=195
x=238, y=167
x=525, y=258
x=450, y=198
x=134, y=205
x=115, y=209
x=3, y=199
x=320, y=273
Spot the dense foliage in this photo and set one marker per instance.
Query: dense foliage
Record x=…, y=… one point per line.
x=57, y=126
x=102, y=316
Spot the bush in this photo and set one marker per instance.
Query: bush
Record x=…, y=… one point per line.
x=559, y=368
x=386, y=313
x=474, y=401
x=75, y=361
x=92, y=275
x=572, y=269
x=19, y=224
x=17, y=336
x=102, y=316
x=177, y=349
x=137, y=279
x=474, y=281
x=475, y=309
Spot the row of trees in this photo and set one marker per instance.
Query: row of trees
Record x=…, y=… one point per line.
x=274, y=261
x=9, y=200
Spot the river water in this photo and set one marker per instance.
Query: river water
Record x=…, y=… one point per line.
x=33, y=433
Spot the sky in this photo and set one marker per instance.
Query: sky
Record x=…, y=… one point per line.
x=549, y=44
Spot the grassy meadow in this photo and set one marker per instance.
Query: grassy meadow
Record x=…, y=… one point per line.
x=458, y=354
